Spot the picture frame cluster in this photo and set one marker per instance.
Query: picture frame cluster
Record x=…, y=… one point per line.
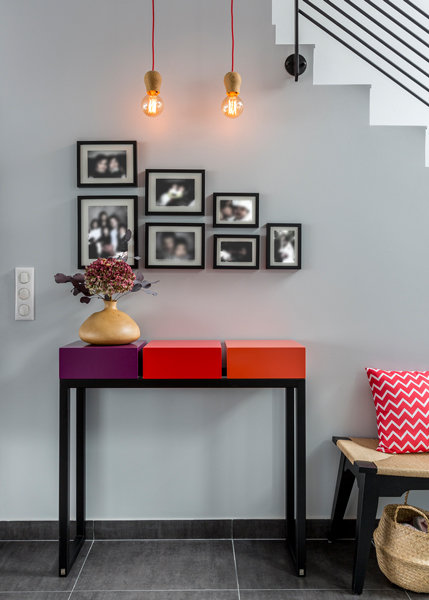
x=103, y=220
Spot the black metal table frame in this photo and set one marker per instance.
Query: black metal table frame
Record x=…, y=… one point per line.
x=295, y=455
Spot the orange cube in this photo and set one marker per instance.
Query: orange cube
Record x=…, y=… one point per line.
x=265, y=359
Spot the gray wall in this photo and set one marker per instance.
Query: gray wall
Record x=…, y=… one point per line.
x=74, y=70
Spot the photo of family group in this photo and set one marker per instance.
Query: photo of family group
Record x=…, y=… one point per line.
x=107, y=228
x=107, y=232
x=236, y=210
x=106, y=164
x=174, y=246
x=236, y=251
x=283, y=246
x=174, y=192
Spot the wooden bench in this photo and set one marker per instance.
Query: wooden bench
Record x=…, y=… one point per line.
x=377, y=475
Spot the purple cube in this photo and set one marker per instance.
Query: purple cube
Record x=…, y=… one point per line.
x=79, y=360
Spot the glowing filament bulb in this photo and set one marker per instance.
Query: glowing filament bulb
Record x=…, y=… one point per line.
x=152, y=104
x=232, y=106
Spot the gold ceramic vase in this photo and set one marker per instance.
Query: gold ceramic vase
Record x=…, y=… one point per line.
x=109, y=327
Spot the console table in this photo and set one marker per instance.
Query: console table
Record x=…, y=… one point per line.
x=295, y=451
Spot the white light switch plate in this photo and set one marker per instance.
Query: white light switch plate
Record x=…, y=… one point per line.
x=24, y=294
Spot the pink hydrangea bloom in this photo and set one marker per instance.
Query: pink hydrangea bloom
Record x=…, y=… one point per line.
x=109, y=276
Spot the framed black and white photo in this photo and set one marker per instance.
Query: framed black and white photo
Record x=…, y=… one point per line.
x=236, y=252
x=175, y=192
x=236, y=210
x=174, y=246
x=107, y=164
x=283, y=246
x=103, y=222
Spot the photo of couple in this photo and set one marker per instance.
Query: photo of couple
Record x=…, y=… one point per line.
x=175, y=192
x=107, y=235
x=175, y=246
x=236, y=210
x=108, y=164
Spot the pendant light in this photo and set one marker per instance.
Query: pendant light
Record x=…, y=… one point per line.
x=232, y=105
x=152, y=104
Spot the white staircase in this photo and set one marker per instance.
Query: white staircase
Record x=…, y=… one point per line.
x=335, y=64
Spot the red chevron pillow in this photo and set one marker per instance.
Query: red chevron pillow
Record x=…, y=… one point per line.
x=401, y=401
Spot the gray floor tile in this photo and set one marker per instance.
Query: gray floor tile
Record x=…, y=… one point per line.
x=178, y=595
x=321, y=595
x=159, y=565
x=267, y=565
x=33, y=567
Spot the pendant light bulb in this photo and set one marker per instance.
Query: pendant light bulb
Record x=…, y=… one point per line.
x=152, y=104
x=232, y=106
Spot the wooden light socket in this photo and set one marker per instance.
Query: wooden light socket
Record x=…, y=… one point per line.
x=152, y=81
x=232, y=81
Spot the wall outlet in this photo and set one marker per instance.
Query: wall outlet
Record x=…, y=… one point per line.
x=24, y=294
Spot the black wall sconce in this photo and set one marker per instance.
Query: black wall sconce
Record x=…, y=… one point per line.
x=296, y=64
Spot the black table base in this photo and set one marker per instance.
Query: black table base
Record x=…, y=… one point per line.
x=295, y=455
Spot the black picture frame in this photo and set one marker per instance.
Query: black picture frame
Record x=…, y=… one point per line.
x=236, y=197
x=103, y=203
x=151, y=194
x=151, y=248
x=233, y=264
x=107, y=148
x=271, y=262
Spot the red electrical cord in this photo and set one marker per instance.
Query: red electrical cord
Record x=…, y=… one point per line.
x=153, y=35
x=232, y=34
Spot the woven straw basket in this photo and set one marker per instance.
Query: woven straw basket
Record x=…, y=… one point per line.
x=403, y=552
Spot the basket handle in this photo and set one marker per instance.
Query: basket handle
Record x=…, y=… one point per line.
x=418, y=511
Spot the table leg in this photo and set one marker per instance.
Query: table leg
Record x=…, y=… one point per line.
x=64, y=496
x=290, y=466
x=296, y=477
x=69, y=549
x=300, y=481
x=80, y=461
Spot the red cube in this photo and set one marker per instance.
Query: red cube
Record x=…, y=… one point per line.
x=182, y=359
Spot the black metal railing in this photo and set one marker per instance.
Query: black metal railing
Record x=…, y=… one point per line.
x=394, y=20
